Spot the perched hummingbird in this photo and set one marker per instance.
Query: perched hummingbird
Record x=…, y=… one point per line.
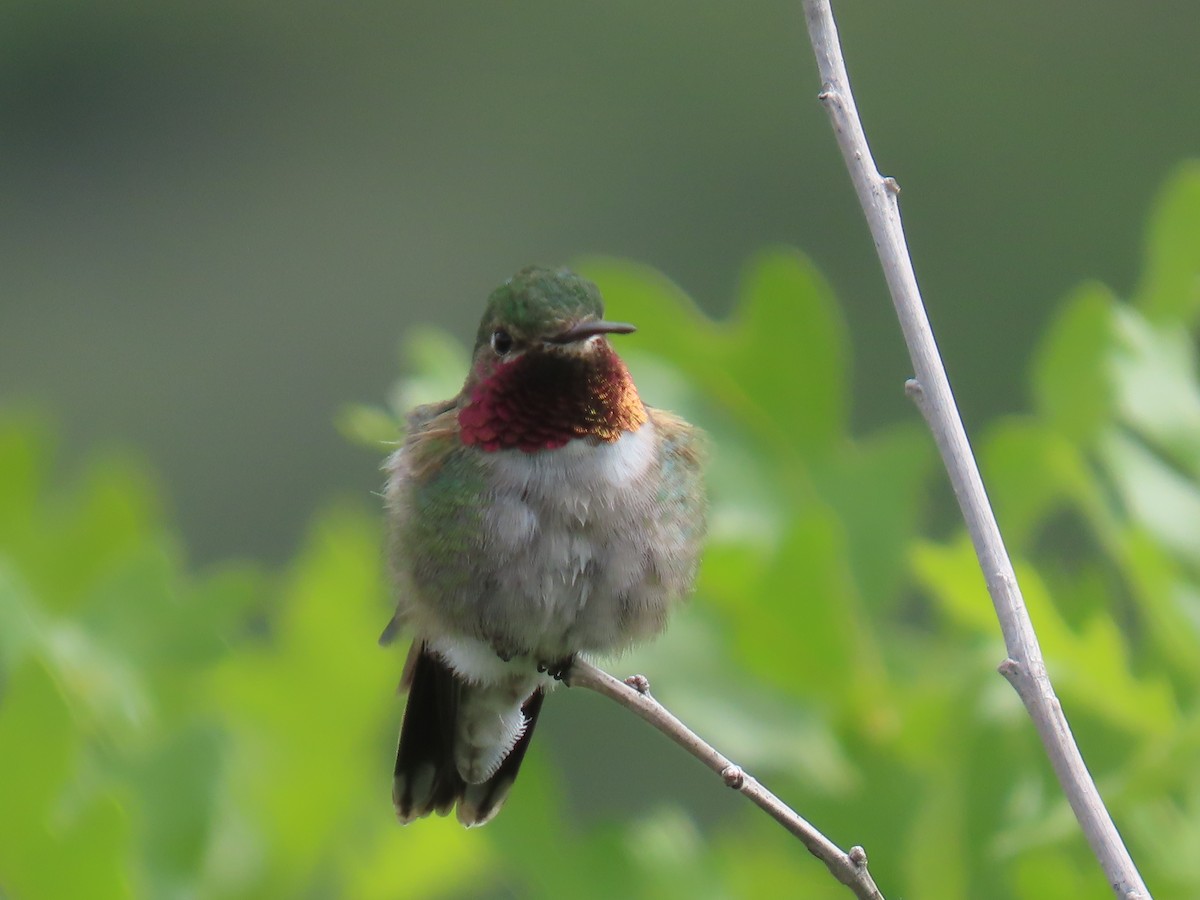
x=543, y=512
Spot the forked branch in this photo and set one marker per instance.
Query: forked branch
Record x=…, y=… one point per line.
x=1024, y=668
x=634, y=694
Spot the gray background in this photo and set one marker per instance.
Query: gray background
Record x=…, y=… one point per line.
x=216, y=221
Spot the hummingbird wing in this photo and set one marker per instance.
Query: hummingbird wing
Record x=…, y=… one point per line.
x=438, y=716
x=426, y=779
x=422, y=415
x=681, y=501
x=448, y=504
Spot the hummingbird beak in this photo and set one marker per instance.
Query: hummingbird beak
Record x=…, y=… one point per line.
x=581, y=331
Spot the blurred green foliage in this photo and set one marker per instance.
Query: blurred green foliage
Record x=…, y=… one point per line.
x=169, y=733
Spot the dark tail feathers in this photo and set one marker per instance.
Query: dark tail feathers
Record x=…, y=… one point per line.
x=426, y=778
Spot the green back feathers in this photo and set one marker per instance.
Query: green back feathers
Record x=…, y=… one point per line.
x=539, y=301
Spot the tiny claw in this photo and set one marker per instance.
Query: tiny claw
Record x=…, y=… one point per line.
x=558, y=670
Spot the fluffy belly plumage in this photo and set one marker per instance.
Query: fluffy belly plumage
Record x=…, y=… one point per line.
x=574, y=558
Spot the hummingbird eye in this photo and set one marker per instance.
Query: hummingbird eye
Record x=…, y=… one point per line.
x=502, y=342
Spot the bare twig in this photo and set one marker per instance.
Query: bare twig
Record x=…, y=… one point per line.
x=1024, y=667
x=634, y=694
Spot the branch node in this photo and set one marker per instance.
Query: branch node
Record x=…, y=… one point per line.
x=828, y=94
x=639, y=683
x=733, y=776
x=1010, y=669
x=913, y=390
x=858, y=856
x=891, y=185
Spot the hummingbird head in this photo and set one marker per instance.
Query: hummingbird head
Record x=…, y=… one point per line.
x=542, y=372
x=550, y=310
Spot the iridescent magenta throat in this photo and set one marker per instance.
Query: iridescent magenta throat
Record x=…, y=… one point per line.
x=542, y=400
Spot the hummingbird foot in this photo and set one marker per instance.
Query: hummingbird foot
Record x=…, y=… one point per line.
x=559, y=669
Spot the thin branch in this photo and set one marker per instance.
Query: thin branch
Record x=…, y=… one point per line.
x=1024, y=668
x=634, y=694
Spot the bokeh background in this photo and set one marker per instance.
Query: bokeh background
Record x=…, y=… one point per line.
x=220, y=223
x=218, y=220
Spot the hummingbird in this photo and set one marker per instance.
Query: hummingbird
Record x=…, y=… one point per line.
x=543, y=512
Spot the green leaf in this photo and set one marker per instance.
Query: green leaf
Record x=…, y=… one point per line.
x=97, y=845
x=1168, y=827
x=1154, y=370
x=368, y=426
x=177, y=787
x=74, y=537
x=436, y=858
x=1169, y=601
x=754, y=863
x=27, y=445
x=669, y=324
x=20, y=621
x=41, y=828
x=1041, y=873
x=438, y=364
x=1032, y=473
x=937, y=852
x=752, y=722
x=801, y=626
x=1090, y=667
x=779, y=363
x=1170, y=288
x=950, y=573
x=37, y=740
x=1156, y=496
x=1072, y=386
x=788, y=350
x=878, y=487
